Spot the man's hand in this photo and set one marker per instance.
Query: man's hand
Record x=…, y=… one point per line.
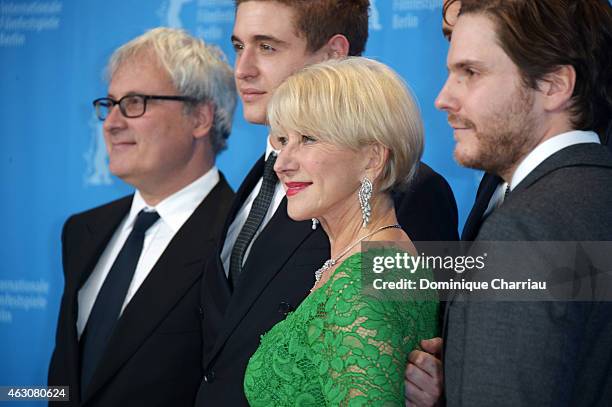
x=424, y=377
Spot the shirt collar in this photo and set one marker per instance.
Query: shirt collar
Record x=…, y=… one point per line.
x=178, y=207
x=548, y=148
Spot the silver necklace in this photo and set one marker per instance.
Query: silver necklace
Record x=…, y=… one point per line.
x=332, y=262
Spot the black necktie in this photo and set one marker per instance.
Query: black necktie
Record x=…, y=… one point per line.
x=256, y=215
x=109, y=301
x=486, y=190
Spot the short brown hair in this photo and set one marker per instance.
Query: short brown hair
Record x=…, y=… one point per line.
x=541, y=35
x=319, y=20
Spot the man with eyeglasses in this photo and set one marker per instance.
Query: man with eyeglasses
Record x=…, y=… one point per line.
x=129, y=324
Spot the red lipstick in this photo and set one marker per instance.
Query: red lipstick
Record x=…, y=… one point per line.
x=296, y=187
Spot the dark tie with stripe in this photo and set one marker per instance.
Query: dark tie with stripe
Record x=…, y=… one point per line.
x=109, y=301
x=256, y=216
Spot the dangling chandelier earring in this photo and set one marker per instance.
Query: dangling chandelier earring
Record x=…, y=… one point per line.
x=315, y=222
x=365, y=193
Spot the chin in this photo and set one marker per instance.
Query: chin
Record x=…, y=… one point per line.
x=465, y=158
x=298, y=215
x=117, y=170
x=297, y=218
x=254, y=116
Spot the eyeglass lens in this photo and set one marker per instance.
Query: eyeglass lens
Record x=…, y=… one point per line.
x=130, y=106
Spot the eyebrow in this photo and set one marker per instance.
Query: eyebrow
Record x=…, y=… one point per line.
x=130, y=93
x=262, y=37
x=467, y=63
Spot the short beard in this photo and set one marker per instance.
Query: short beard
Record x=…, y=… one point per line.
x=507, y=138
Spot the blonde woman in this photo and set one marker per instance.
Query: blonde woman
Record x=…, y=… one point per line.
x=350, y=132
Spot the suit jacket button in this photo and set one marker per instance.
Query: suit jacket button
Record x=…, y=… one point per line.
x=201, y=312
x=209, y=377
x=284, y=308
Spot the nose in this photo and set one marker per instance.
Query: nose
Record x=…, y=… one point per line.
x=114, y=121
x=286, y=162
x=246, y=65
x=446, y=99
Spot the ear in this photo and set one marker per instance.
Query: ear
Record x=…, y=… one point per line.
x=557, y=88
x=377, y=156
x=203, y=115
x=337, y=47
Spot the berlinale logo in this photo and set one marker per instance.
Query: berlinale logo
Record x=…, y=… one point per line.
x=96, y=156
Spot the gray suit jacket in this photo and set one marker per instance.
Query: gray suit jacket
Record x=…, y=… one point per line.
x=539, y=353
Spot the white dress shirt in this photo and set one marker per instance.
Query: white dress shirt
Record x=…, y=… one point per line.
x=537, y=157
x=243, y=213
x=173, y=212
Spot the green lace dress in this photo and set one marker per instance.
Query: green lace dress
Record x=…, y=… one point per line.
x=340, y=347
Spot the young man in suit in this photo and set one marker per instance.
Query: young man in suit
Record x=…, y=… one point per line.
x=129, y=323
x=529, y=97
x=265, y=269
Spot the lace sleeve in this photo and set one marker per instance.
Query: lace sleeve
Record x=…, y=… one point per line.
x=364, y=340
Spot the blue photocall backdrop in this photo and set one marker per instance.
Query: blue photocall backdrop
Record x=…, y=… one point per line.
x=52, y=157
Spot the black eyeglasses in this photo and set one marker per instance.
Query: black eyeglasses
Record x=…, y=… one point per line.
x=131, y=106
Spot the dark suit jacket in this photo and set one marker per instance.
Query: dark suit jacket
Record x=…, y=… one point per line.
x=427, y=209
x=278, y=275
x=539, y=353
x=153, y=357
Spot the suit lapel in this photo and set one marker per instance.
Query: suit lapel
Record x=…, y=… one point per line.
x=584, y=154
x=93, y=234
x=260, y=267
x=98, y=230
x=179, y=267
x=242, y=194
x=578, y=154
x=485, y=191
x=245, y=189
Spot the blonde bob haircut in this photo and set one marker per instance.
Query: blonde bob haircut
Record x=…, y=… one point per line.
x=197, y=70
x=353, y=102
